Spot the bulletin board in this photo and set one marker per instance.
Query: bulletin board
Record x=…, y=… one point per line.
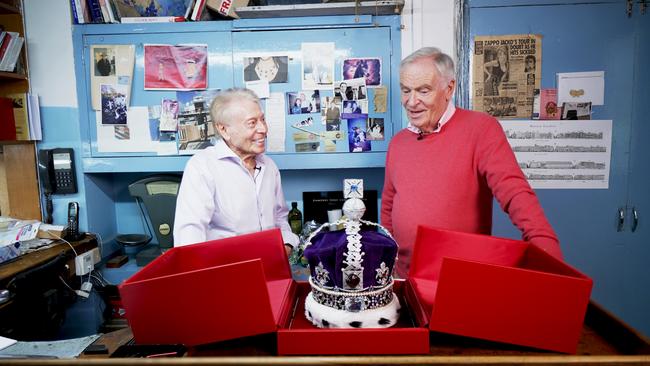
x=299, y=138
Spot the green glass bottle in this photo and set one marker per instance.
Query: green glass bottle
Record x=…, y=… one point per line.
x=295, y=218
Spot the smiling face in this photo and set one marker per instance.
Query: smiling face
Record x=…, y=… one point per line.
x=425, y=93
x=245, y=131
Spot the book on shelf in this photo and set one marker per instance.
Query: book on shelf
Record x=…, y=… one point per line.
x=146, y=8
x=34, y=117
x=21, y=119
x=95, y=11
x=165, y=19
x=6, y=40
x=7, y=123
x=77, y=11
x=8, y=61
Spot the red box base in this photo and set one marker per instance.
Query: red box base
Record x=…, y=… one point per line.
x=298, y=336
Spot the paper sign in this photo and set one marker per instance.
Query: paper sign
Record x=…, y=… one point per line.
x=575, y=87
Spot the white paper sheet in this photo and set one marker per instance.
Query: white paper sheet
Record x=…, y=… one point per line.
x=317, y=65
x=260, y=87
x=562, y=154
x=581, y=87
x=275, y=118
x=6, y=342
x=140, y=139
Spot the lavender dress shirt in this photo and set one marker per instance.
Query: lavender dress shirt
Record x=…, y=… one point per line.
x=220, y=198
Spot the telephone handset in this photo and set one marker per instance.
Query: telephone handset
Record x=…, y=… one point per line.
x=72, y=232
x=57, y=171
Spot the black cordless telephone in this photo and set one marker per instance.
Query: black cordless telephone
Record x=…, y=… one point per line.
x=72, y=232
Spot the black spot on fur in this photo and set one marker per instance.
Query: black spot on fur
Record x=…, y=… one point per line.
x=356, y=324
x=326, y=324
x=309, y=312
x=383, y=321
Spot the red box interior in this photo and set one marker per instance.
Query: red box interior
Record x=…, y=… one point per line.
x=497, y=289
x=212, y=291
x=298, y=336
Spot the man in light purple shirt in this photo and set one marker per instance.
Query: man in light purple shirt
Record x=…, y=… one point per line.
x=232, y=188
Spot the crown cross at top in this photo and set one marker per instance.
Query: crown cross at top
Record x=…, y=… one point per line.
x=353, y=188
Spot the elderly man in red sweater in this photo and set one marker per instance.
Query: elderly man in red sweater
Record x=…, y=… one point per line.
x=445, y=167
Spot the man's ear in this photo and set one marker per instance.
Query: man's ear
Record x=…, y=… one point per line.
x=221, y=129
x=449, y=89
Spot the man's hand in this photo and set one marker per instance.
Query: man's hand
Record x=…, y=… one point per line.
x=289, y=249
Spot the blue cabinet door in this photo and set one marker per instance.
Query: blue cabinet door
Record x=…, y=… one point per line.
x=581, y=36
x=635, y=288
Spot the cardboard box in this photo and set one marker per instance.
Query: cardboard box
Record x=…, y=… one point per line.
x=496, y=289
x=242, y=286
x=226, y=7
x=209, y=292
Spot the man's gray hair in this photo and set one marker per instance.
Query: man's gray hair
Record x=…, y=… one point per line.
x=220, y=107
x=444, y=63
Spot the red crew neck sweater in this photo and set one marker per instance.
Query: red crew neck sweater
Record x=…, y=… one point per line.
x=447, y=180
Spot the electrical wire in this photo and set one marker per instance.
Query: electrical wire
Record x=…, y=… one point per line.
x=67, y=242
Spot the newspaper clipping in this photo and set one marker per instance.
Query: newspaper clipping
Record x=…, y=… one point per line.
x=506, y=71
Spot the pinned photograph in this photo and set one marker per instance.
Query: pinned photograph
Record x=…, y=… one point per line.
x=352, y=89
x=367, y=68
x=574, y=111
x=357, y=135
x=122, y=132
x=195, y=127
x=304, y=123
x=334, y=125
x=375, y=129
x=308, y=146
x=317, y=65
x=305, y=101
x=113, y=104
x=154, y=125
x=104, y=60
x=273, y=69
x=354, y=109
x=169, y=115
x=332, y=110
x=182, y=67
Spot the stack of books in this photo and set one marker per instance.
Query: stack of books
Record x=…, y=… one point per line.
x=131, y=11
x=11, y=43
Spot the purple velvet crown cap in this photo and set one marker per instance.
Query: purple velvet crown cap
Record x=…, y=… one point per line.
x=328, y=248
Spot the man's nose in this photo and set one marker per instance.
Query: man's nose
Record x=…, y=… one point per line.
x=262, y=127
x=411, y=99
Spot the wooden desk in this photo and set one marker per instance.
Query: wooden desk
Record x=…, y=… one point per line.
x=605, y=341
x=10, y=269
x=38, y=283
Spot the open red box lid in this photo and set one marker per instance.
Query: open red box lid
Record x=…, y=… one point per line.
x=497, y=289
x=209, y=292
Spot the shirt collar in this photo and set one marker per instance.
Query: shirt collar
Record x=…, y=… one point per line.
x=223, y=151
x=449, y=112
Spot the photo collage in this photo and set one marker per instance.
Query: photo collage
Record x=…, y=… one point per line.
x=329, y=113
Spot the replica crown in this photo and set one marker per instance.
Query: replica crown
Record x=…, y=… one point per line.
x=351, y=270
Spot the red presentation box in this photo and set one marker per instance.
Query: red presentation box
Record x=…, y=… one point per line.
x=210, y=292
x=242, y=286
x=496, y=289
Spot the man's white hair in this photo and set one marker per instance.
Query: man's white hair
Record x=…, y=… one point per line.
x=443, y=62
x=220, y=107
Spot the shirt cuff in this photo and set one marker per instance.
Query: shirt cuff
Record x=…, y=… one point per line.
x=290, y=238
